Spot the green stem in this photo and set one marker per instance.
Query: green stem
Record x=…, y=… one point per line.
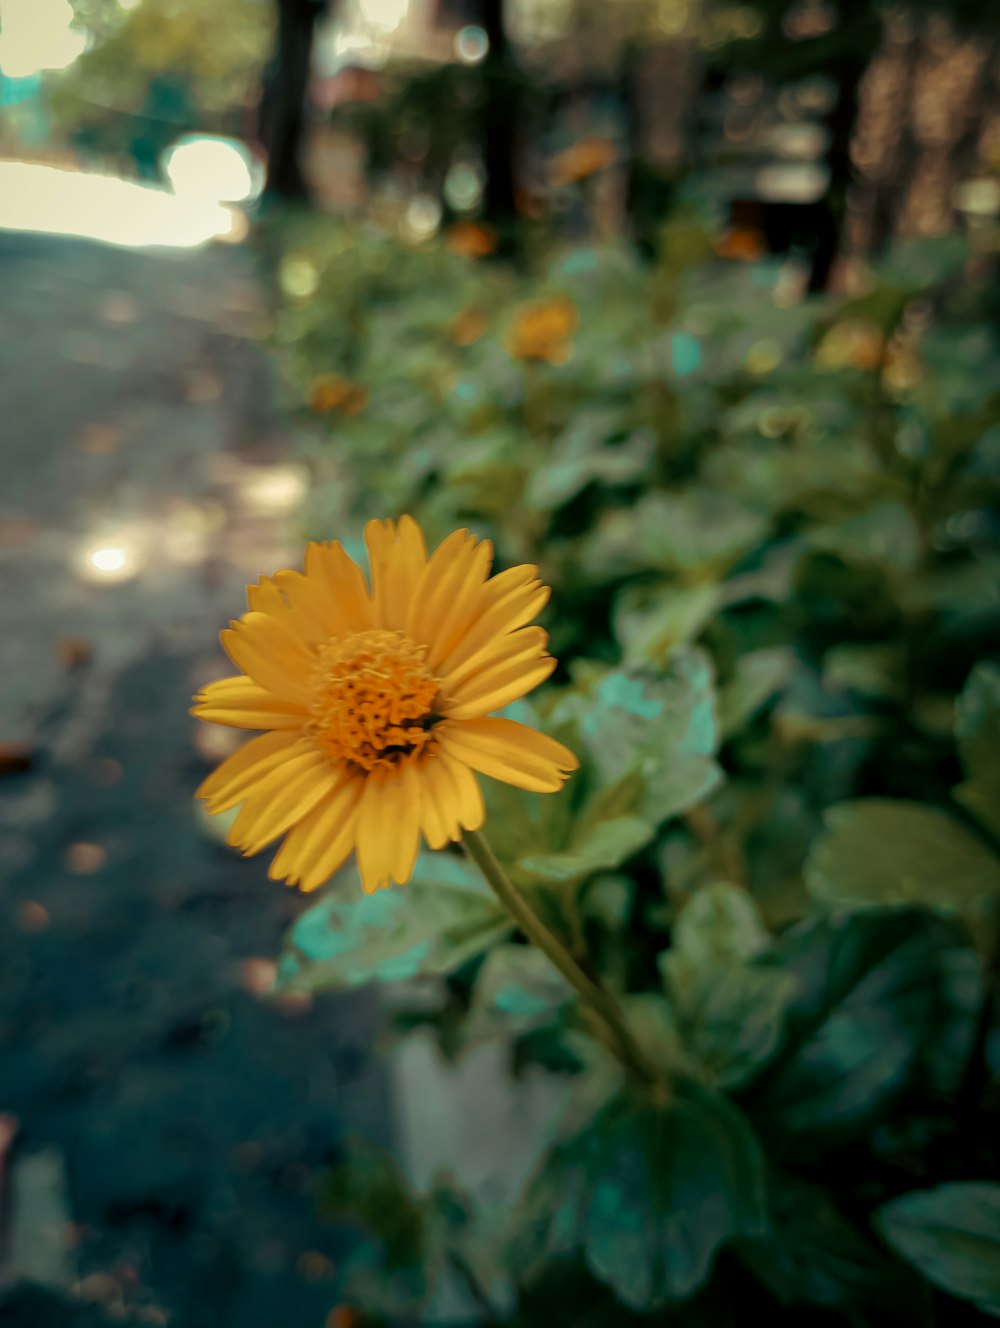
x=600, y=1001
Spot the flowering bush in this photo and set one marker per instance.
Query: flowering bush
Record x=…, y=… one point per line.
x=770, y=528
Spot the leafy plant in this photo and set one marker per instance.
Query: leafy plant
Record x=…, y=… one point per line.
x=774, y=562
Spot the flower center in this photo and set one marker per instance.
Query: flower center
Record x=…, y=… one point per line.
x=373, y=698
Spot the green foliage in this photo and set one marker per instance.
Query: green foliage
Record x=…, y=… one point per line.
x=882, y=1002
x=977, y=728
x=774, y=562
x=647, y=1193
x=730, y=1010
x=444, y=917
x=185, y=64
x=952, y=1234
x=882, y=852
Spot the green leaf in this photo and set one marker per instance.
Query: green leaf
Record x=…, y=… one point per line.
x=659, y=726
x=650, y=623
x=582, y=455
x=886, y=535
x=445, y=916
x=699, y=532
x=648, y=1194
x=730, y=1012
x=868, y=670
x=520, y=983
x=952, y=1235
x=812, y=1254
x=758, y=677
x=879, y=852
x=719, y=924
x=880, y=997
x=977, y=727
x=603, y=846
x=366, y=1188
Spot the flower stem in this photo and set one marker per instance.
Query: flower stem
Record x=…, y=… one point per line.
x=600, y=1001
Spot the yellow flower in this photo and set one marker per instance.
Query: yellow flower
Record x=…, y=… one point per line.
x=471, y=239
x=378, y=704
x=582, y=159
x=543, y=330
x=743, y=243
x=468, y=326
x=332, y=391
x=851, y=342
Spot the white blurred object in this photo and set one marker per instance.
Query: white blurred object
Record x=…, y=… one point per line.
x=53, y=201
x=463, y=186
x=471, y=44
x=275, y=489
x=111, y=560
x=802, y=140
x=37, y=35
x=423, y=217
x=40, y=1246
x=792, y=182
x=384, y=14
x=211, y=169
x=979, y=197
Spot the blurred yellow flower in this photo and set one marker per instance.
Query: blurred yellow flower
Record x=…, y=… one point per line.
x=332, y=391
x=851, y=343
x=471, y=239
x=468, y=326
x=904, y=368
x=743, y=243
x=543, y=330
x=378, y=704
x=582, y=159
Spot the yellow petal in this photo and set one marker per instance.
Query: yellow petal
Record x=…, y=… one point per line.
x=392, y=811
x=526, y=646
x=282, y=799
x=374, y=836
x=435, y=590
x=268, y=658
x=301, y=603
x=465, y=799
x=506, y=602
x=408, y=825
x=238, y=774
x=317, y=846
x=473, y=569
x=396, y=557
x=510, y=752
x=509, y=687
x=243, y=704
x=343, y=583
x=438, y=804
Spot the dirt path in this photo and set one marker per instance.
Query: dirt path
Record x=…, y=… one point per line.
x=145, y=480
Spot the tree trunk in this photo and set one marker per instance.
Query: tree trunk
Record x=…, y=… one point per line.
x=283, y=98
x=847, y=73
x=499, y=119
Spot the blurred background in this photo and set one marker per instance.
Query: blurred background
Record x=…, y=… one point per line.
x=264, y=266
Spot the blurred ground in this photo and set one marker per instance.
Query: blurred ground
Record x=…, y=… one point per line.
x=144, y=485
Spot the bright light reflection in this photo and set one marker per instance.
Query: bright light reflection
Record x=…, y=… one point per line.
x=471, y=44
x=384, y=14
x=108, y=561
x=277, y=489
x=423, y=217
x=37, y=35
x=801, y=182
x=209, y=169
x=53, y=201
x=463, y=187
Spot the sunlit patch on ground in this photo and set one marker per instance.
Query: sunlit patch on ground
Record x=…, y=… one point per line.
x=51, y=200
